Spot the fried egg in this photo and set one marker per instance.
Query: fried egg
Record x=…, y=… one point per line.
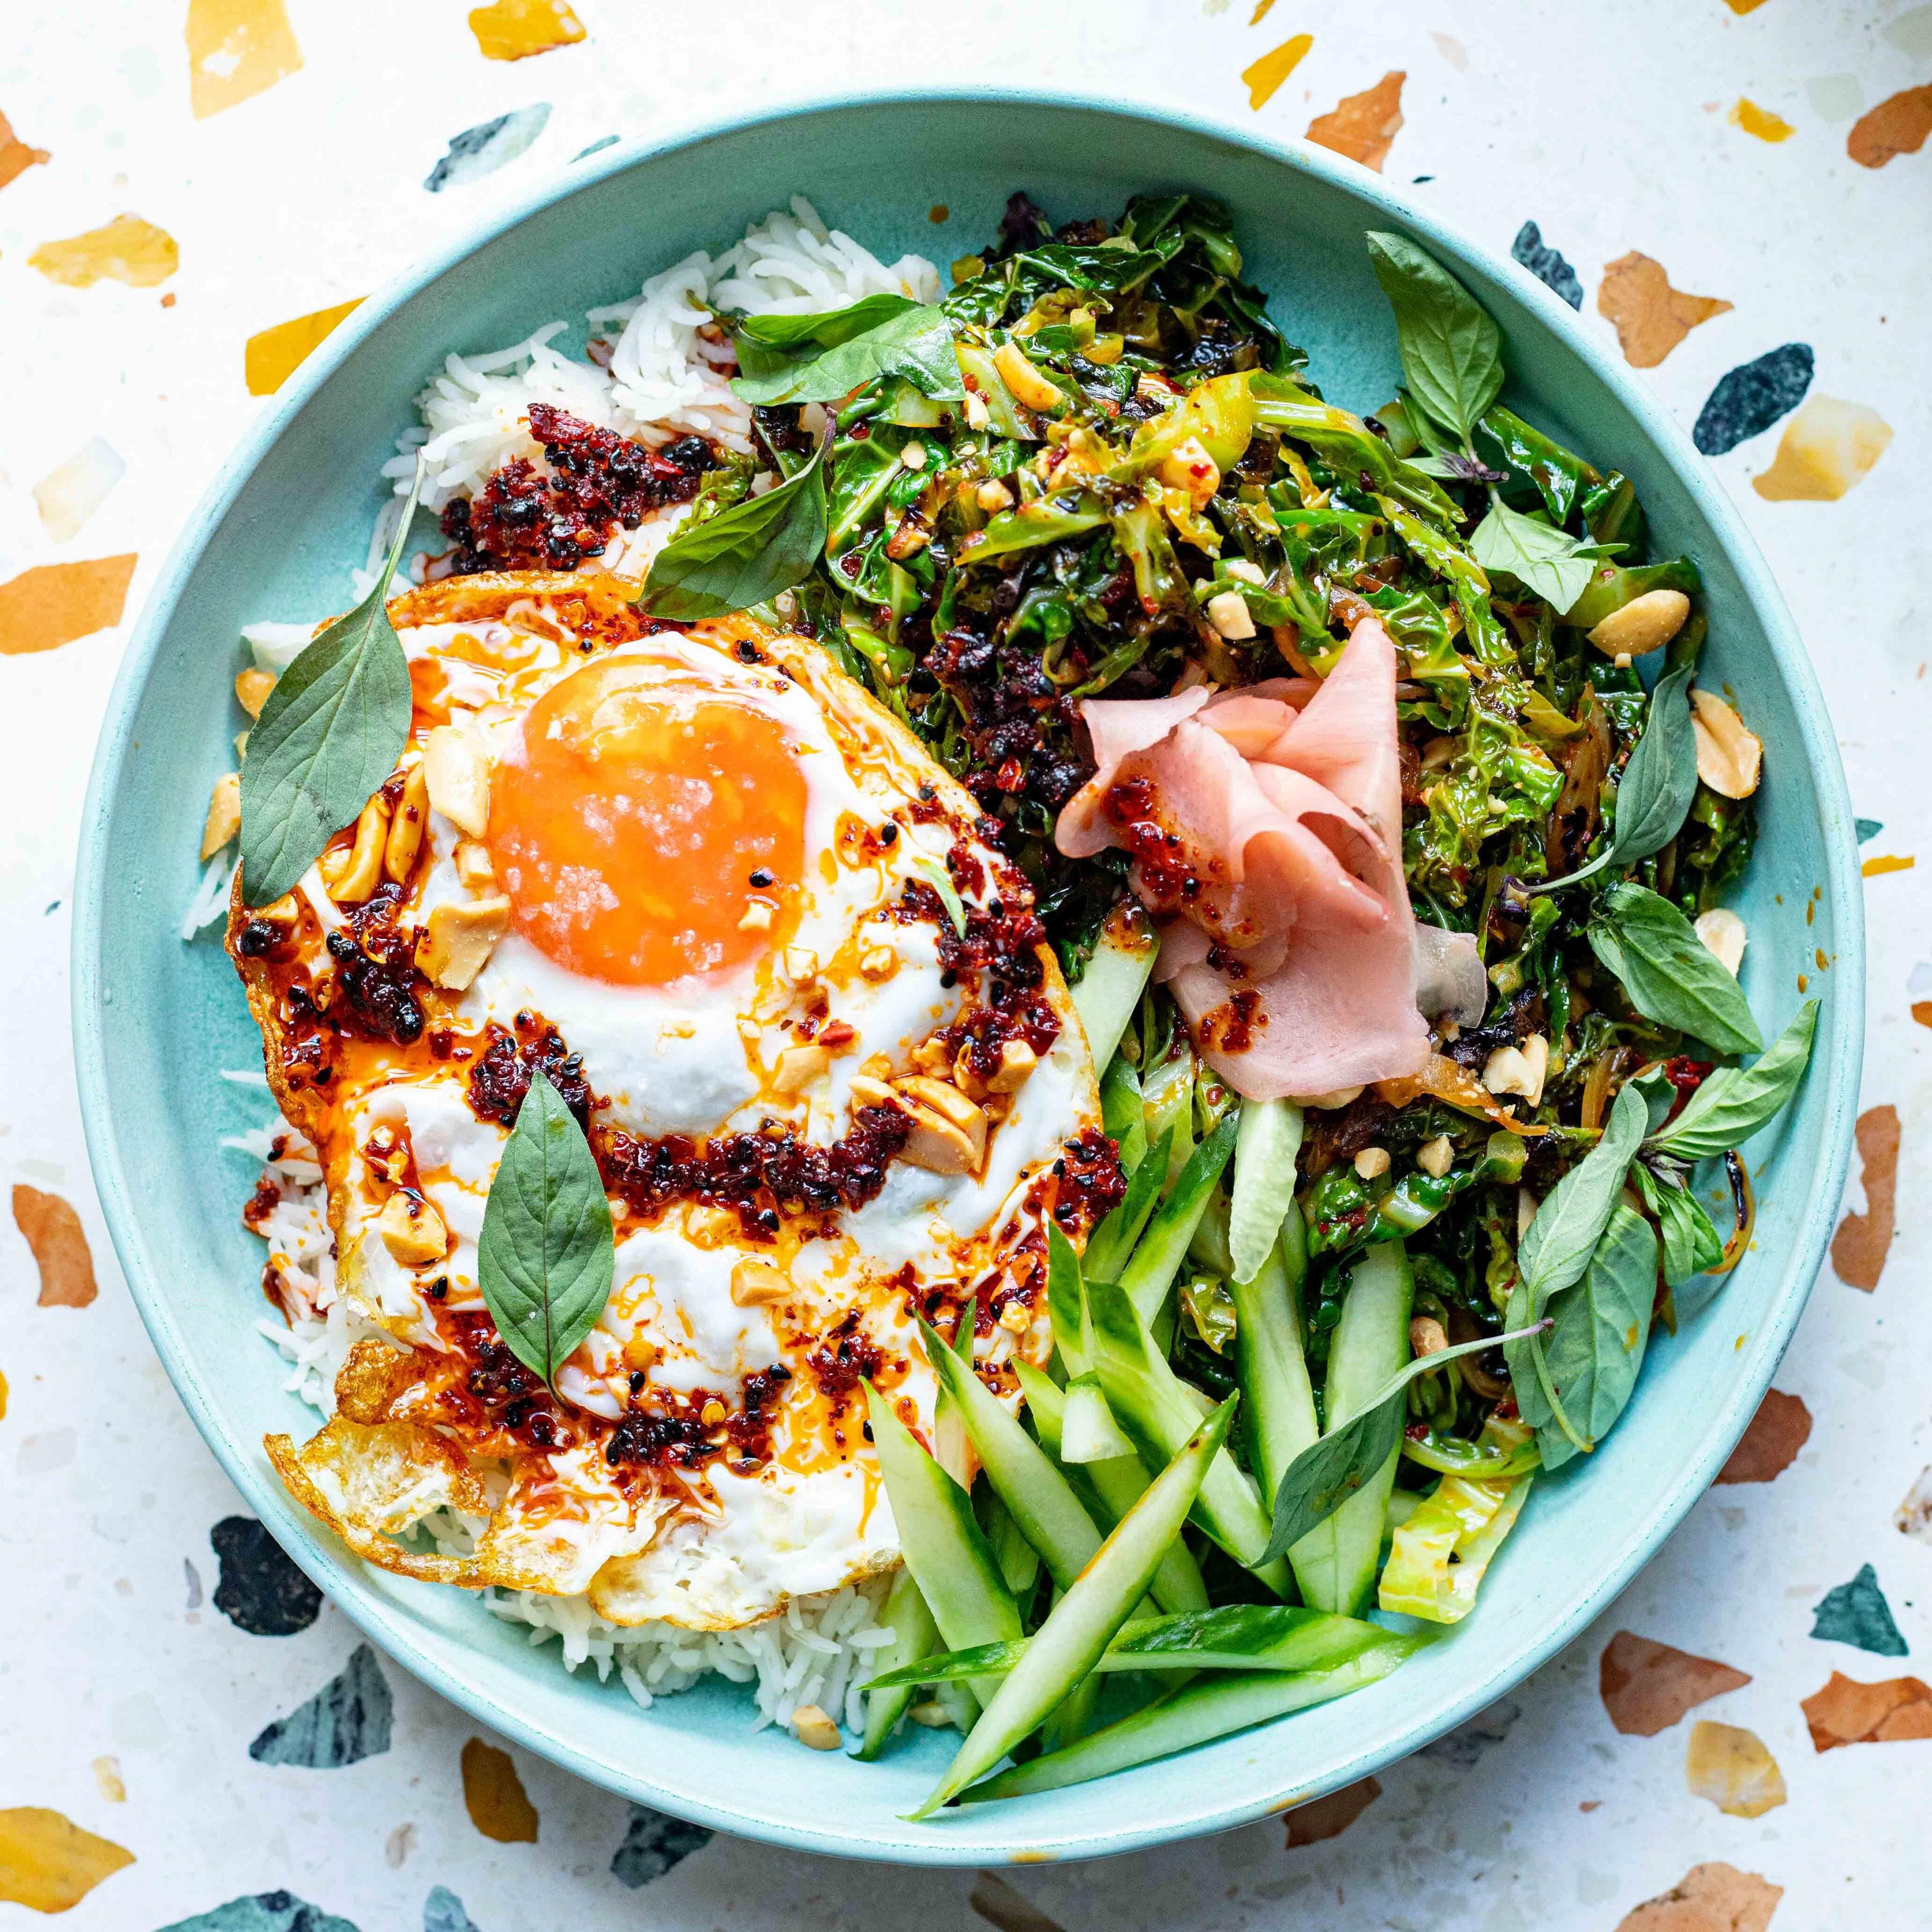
x=835, y=1082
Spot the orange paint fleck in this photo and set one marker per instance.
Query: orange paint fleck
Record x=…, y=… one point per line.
x=1651, y=317
x=1760, y=121
x=509, y=30
x=1363, y=126
x=270, y=357
x=127, y=249
x=1646, y=1687
x=1770, y=1444
x=53, y=1231
x=1826, y=449
x=1859, y=1248
x=1741, y=6
x=1329, y=1817
x=494, y=1797
x=1898, y=125
x=1921, y=1011
x=58, y=602
x=236, y=49
x=48, y=1863
x=1878, y=866
x=1709, y=1898
x=16, y=157
x=1847, y=1712
x=3, y=1398
x=1274, y=66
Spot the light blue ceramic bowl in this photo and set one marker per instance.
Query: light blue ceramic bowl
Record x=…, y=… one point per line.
x=154, y=1018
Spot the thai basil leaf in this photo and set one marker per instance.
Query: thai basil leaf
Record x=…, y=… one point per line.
x=331, y=733
x=1596, y=1348
x=1557, y=1247
x=1691, y=1242
x=1669, y=974
x=1551, y=562
x=1327, y=1473
x=545, y=1258
x=743, y=555
x=824, y=330
x=1655, y=794
x=1451, y=350
x=1266, y=1144
x=1734, y=1102
x=909, y=340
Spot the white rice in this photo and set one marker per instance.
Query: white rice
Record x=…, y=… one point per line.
x=655, y=372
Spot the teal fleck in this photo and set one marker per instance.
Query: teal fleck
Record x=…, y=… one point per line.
x=654, y=1843
x=347, y=1720
x=266, y=1912
x=1870, y=828
x=596, y=147
x=443, y=1911
x=1857, y=1613
x=489, y=145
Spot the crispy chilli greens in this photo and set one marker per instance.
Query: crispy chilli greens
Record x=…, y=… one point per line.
x=1316, y=1361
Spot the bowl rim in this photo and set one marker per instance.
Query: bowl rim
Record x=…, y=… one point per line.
x=380, y=1617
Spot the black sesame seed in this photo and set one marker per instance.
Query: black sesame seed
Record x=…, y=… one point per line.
x=760, y=878
x=637, y=1380
x=889, y=833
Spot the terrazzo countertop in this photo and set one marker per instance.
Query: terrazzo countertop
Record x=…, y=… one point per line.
x=1736, y=191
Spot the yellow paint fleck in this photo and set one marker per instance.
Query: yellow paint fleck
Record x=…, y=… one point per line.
x=48, y=1863
x=270, y=357
x=1742, y=7
x=3, y=1379
x=1730, y=1766
x=1885, y=862
x=107, y=1776
x=1262, y=9
x=1826, y=449
x=127, y=249
x=1267, y=74
x=509, y=30
x=1759, y=120
x=1818, y=954
x=236, y=49
x=1803, y=984
x=16, y=156
x=58, y=602
x=494, y=1795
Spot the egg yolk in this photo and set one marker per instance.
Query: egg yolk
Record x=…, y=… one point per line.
x=627, y=834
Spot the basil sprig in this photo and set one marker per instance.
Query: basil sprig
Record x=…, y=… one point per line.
x=1595, y=1346
x=1691, y=1242
x=545, y=1258
x=743, y=555
x=1654, y=793
x=1734, y=1102
x=1669, y=974
x=1327, y=1473
x=823, y=357
x=331, y=733
x=1554, y=564
x=1452, y=352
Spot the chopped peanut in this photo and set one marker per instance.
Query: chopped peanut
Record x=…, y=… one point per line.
x=406, y=828
x=755, y=1281
x=224, y=815
x=878, y=962
x=252, y=689
x=1518, y=1069
x=932, y=1714
x=1028, y=386
x=815, y=1728
x=1427, y=1337
x=1372, y=1162
x=798, y=1066
x=459, y=779
x=460, y=939
x=1723, y=932
x=1188, y=466
x=352, y=874
x=1016, y=1317
x=1333, y=1101
x=759, y=914
x=1436, y=1157
x=1728, y=756
x=801, y=965
x=993, y=497
x=1642, y=624
x=977, y=414
x=1017, y=1061
x=1248, y=573
x=474, y=865
x=1229, y=615
x=411, y=1230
